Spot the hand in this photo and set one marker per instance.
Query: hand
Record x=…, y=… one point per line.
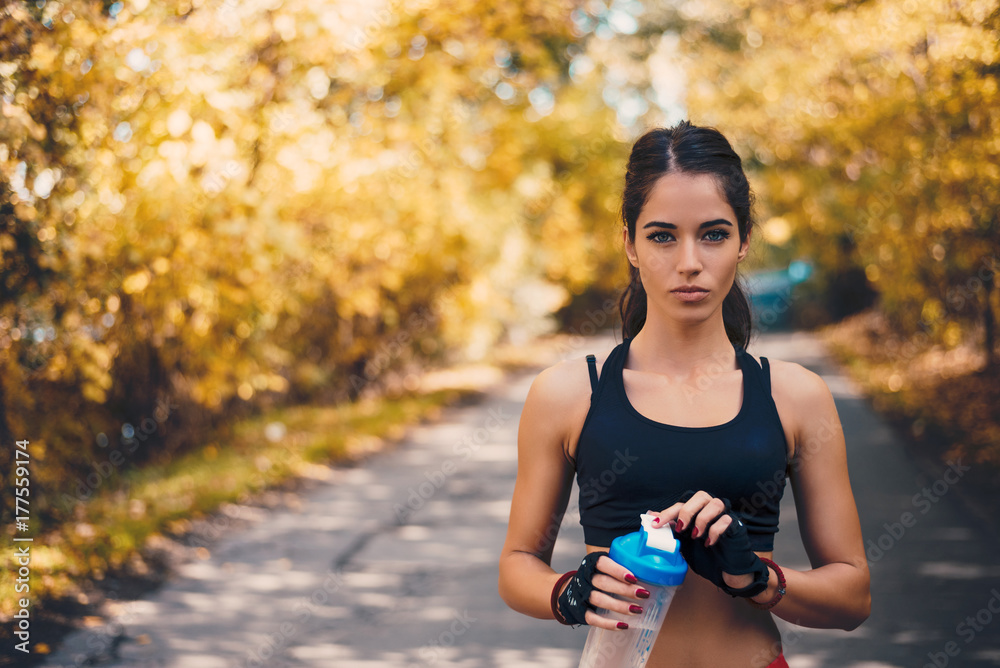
x=597, y=578
x=715, y=544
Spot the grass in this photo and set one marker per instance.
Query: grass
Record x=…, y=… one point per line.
x=110, y=530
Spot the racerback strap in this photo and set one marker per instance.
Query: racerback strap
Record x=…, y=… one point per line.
x=592, y=365
x=766, y=368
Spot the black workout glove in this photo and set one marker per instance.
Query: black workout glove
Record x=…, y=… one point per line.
x=575, y=598
x=731, y=553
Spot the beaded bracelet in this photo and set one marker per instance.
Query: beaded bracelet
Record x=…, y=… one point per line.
x=781, y=587
x=554, y=598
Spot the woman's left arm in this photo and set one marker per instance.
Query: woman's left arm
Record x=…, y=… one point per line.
x=836, y=592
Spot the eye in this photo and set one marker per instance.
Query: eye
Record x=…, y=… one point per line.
x=721, y=235
x=659, y=237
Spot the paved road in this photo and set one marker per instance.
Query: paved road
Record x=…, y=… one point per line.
x=393, y=563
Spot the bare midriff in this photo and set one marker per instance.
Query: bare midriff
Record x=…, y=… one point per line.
x=707, y=628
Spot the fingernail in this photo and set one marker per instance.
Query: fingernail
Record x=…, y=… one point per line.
x=656, y=520
x=629, y=578
x=642, y=593
x=635, y=608
x=694, y=532
x=622, y=625
x=680, y=525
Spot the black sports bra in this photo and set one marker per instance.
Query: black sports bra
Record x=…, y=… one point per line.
x=627, y=463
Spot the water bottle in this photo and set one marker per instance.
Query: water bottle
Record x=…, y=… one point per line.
x=653, y=556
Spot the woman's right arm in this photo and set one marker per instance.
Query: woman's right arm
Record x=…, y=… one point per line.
x=542, y=489
x=553, y=414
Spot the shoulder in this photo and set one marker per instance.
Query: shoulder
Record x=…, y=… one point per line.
x=565, y=382
x=562, y=391
x=795, y=380
x=804, y=395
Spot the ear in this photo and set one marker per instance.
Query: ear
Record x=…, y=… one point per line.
x=744, y=249
x=629, y=248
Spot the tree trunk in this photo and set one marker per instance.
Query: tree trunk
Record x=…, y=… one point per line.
x=989, y=322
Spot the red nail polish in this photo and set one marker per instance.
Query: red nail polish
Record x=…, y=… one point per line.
x=622, y=625
x=629, y=578
x=680, y=525
x=635, y=608
x=642, y=593
x=694, y=532
x=656, y=520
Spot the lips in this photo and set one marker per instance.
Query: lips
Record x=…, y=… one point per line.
x=689, y=293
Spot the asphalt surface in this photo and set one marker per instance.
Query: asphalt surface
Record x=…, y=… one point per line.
x=394, y=562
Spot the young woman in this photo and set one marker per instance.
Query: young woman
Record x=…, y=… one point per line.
x=681, y=422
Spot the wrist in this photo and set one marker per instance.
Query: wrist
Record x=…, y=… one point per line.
x=775, y=590
x=557, y=589
x=769, y=591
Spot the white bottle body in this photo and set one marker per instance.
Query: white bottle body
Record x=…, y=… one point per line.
x=629, y=648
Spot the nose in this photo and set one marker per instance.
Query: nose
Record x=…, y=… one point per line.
x=689, y=261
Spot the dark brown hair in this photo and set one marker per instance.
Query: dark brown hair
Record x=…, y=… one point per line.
x=689, y=149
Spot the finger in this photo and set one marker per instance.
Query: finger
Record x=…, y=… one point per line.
x=610, y=585
x=665, y=517
x=601, y=600
x=708, y=513
x=615, y=570
x=689, y=509
x=717, y=529
x=668, y=516
x=594, y=619
x=662, y=519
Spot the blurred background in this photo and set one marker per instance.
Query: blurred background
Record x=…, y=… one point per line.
x=222, y=219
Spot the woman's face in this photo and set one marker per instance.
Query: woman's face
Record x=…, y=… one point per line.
x=687, y=246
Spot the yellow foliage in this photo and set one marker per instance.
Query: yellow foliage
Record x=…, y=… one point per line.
x=882, y=115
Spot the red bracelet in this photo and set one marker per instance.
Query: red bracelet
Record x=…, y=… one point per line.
x=781, y=587
x=554, y=598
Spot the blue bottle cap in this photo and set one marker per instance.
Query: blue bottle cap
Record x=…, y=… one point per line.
x=648, y=563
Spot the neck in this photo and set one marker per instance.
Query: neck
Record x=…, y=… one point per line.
x=664, y=345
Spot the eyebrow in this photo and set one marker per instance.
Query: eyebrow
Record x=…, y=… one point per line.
x=671, y=226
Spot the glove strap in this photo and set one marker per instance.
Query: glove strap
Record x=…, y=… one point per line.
x=758, y=585
x=554, y=599
x=781, y=588
x=574, y=601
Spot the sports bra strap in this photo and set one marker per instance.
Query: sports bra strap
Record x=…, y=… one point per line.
x=765, y=367
x=592, y=364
